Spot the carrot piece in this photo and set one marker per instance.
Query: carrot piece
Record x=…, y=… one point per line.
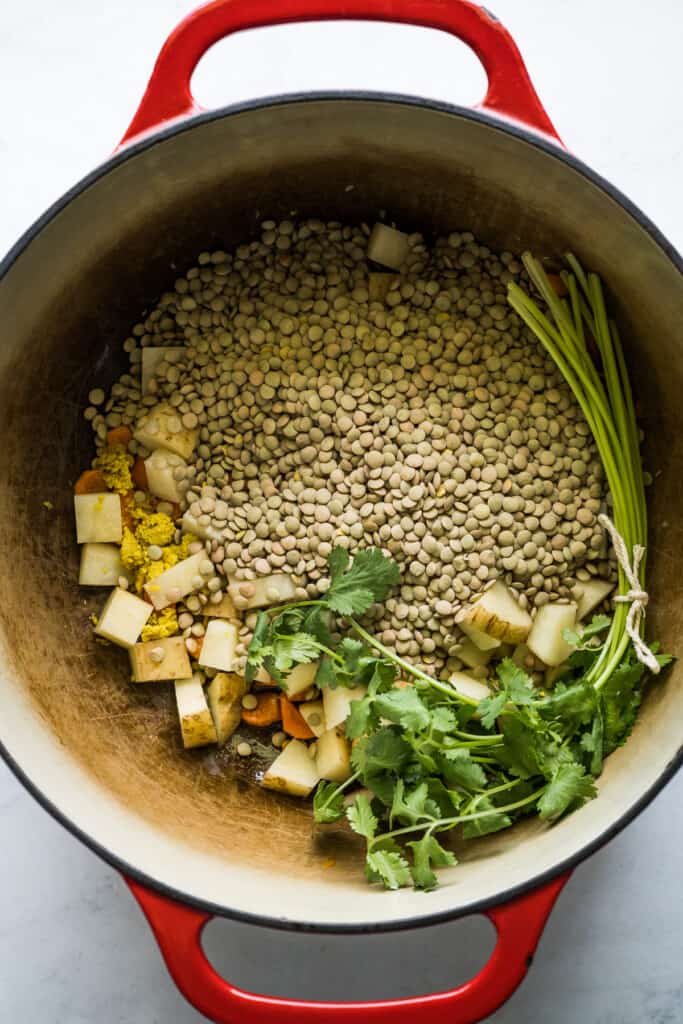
x=119, y=435
x=90, y=482
x=293, y=722
x=127, y=506
x=557, y=285
x=266, y=712
x=139, y=474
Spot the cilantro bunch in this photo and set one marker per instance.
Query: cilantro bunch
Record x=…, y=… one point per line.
x=426, y=759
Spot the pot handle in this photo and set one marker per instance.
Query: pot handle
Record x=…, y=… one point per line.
x=178, y=929
x=510, y=93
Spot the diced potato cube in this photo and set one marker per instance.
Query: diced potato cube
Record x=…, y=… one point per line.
x=378, y=286
x=161, y=427
x=156, y=660
x=160, y=468
x=314, y=715
x=98, y=518
x=101, y=565
x=333, y=756
x=122, y=618
x=224, y=693
x=225, y=609
x=177, y=582
x=388, y=246
x=497, y=613
x=299, y=679
x=337, y=703
x=152, y=357
x=293, y=771
x=546, y=638
x=262, y=592
x=473, y=656
x=589, y=594
x=481, y=640
x=469, y=687
x=218, y=647
x=196, y=723
x=190, y=524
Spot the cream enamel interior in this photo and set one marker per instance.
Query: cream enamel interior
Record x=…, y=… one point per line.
x=107, y=755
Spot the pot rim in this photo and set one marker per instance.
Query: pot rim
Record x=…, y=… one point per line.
x=177, y=127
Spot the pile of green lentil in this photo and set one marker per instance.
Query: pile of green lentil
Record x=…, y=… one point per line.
x=422, y=417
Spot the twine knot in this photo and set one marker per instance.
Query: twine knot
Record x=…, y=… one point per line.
x=636, y=597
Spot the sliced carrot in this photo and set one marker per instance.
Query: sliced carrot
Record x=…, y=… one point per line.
x=557, y=285
x=266, y=712
x=139, y=474
x=119, y=435
x=90, y=482
x=127, y=506
x=293, y=722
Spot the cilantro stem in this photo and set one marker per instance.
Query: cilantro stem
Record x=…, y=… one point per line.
x=407, y=667
x=340, y=789
x=443, y=823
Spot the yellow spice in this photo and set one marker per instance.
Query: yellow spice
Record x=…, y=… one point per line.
x=161, y=625
x=114, y=463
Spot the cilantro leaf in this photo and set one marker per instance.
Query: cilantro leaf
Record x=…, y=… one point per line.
x=569, y=787
x=578, y=638
x=403, y=707
x=338, y=562
x=385, y=749
x=382, y=676
x=443, y=719
x=315, y=622
x=389, y=867
x=360, y=817
x=518, y=686
x=620, y=699
x=427, y=851
x=569, y=705
x=295, y=649
x=259, y=647
x=326, y=674
x=409, y=807
x=492, y=822
x=519, y=754
x=490, y=707
x=352, y=591
x=459, y=769
x=328, y=803
x=359, y=719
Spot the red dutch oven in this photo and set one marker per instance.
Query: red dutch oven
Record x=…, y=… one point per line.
x=192, y=837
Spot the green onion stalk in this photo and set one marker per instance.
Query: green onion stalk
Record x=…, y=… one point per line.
x=604, y=394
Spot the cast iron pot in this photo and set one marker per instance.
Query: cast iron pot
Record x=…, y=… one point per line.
x=191, y=837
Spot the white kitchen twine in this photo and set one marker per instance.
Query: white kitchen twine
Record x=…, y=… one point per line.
x=636, y=596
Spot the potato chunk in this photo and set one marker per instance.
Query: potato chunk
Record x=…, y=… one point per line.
x=177, y=582
x=122, y=618
x=161, y=427
x=218, y=647
x=98, y=518
x=101, y=565
x=293, y=771
x=196, y=723
x=333, y=756
x=224, y=694
x=156, y=660
x=497, y=614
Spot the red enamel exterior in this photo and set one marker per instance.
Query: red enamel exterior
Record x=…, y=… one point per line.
x=510, y=93
x=178, y=931
x=519, y=924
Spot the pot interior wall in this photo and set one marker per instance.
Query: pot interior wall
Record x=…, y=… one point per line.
x=106, y=754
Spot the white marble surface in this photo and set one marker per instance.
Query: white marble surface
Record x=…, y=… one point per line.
x=73, y=946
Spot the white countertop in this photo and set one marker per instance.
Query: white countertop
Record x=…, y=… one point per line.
x=74, y=948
